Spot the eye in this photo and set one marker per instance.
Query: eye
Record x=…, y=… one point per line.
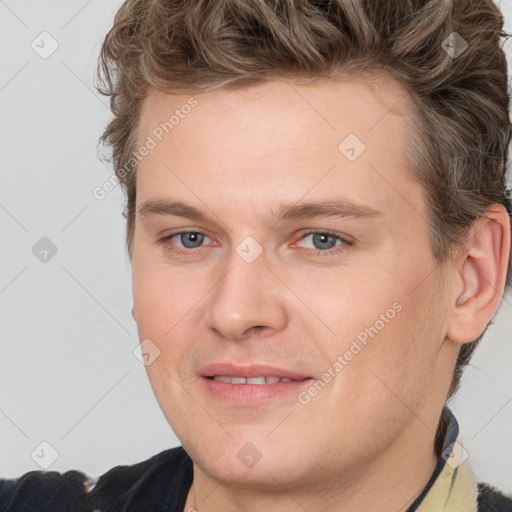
x=186, y=240
x=325, y=241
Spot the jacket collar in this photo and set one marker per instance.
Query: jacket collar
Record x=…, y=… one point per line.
x=452, y=487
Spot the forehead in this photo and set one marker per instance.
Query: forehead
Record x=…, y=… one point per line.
x=279, y=134
x=364, y=104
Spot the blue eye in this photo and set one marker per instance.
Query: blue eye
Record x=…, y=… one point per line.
x=322, y=240
x=188, y=239
x=325, y=243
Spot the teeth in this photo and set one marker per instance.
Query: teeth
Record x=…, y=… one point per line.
x=255, y=380
x=251, y=380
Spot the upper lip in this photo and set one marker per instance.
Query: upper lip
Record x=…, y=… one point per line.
x=253, y=370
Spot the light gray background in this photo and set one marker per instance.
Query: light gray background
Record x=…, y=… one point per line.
x=68, y=375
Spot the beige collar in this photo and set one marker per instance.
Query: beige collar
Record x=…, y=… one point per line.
x=455, y=489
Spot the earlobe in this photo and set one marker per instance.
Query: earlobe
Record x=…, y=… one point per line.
x=482, y=271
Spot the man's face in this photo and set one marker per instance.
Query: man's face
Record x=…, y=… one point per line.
x=257, y=288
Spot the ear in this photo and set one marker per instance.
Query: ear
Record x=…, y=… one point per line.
x=480, y=276
x=133, y=313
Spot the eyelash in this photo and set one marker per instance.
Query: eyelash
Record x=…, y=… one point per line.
x=315, y=252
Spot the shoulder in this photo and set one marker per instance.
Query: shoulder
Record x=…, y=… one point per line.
x=163, y=478
x=491, y=499
x=52, y=488
x=158, y=483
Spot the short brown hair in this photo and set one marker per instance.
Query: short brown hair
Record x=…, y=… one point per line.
x=461, y=101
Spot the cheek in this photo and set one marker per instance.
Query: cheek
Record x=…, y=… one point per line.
x=381, y=334
x=161, y=298
x=397, y=363
x=168, y=309
x=161, y=307
x=345, y=306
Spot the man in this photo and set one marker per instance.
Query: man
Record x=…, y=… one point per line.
x=319, y=230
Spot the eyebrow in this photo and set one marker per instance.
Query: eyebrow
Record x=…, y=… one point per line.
x=295, y=211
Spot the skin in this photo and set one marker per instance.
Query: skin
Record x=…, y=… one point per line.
x=365, y=442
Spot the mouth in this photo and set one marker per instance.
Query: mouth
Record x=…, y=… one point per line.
x=252, y=380
x=253, y=384
x=247, y=392
x=250, y=373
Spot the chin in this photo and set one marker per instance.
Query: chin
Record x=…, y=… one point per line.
x=240, y=462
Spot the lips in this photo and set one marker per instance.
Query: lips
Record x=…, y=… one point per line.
x=253, y=385
x=237, y=373
x=250, y=380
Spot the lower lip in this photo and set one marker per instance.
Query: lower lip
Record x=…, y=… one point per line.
x=253, y=394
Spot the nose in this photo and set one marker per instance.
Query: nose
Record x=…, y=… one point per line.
x=248, y=299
